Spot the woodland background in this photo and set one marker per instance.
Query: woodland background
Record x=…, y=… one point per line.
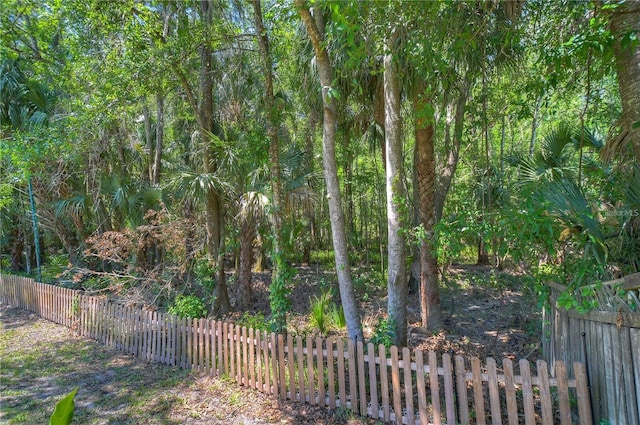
x=166, y=152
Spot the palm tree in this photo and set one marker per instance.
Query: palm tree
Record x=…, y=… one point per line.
x=25, y=105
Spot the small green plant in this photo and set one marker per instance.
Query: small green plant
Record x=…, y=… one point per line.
x=205, y=274
x=319, y=306
x=188, y=306
x=383, y=333
x=255, y=321
x=63, y=413
x=337, y=316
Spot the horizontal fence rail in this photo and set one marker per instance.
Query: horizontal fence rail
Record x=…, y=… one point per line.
x=395, y=385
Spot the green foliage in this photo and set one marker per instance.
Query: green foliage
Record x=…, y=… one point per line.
x=279, y=294
x=56, y=264
x=318, y=314
x=188, y=306
x=383, y=333
x=255, y=321
x=205, y=274
x=63, y=413
x=336, y=314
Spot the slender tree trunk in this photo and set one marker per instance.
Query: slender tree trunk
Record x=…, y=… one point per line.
x=214, y=219
x=157, y=159
x=312, y=241
x=534, y=126
x=17, y=247
x=453, y=155
x=148, y=140
x=279, y=288
x=189, y=237
x=343, y=269
x=425, y=170
x=625, y=20
x=378, y=114
x=396, y=252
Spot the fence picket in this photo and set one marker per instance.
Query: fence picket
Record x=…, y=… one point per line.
x=421, y=388
x=274, y=364
x=527, y=393
x=362, y=389
x=373, y=384
x=245, y=356
x=320, y=368
x=239, y=370
x=310, y=374
x=563, y=393
x=583, y=396
x=494, y=396
x=219, y=338
x=449, y=392
x=300, y=358
x=434, y=388
x=331, y=380
x=545, y=394
x=384, y=383
x=265, y=356
x=395, y=384
x=342, y=391
x=510, y=392
x=291, y=364
x=259, y=356
x=461, y=383
x=282, y=376
x=353, y=378
x=408, y=385
x=478, y=396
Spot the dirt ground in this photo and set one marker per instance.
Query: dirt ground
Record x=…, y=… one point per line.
x=486, y=314
x=40, y=362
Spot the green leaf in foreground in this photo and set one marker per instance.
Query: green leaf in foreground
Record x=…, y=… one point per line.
x=63, y=413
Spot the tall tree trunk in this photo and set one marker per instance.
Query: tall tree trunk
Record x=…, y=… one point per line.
x=425, y=170
x=336, y=215
x=310, y=242
x=378, y=114
x=625, y=20
x=279, y=292
x=157, y=158
x=245, y=290
x=214, y=219
x=396, y=252
x=148, y=140
x=453, y=154
x=534, y=126
x=189, y=237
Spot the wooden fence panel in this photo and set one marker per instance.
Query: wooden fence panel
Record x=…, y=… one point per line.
x=324, y=373
x=602, y=342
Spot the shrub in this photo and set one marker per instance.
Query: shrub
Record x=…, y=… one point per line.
x=188, y=306
x=254, y=321
x=384, y=333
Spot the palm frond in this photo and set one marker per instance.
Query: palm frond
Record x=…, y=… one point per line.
x=71, y=206
x=569, y=204
x=252, y=206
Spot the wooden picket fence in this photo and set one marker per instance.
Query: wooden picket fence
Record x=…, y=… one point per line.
x=606, y=340
x=397, y=385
